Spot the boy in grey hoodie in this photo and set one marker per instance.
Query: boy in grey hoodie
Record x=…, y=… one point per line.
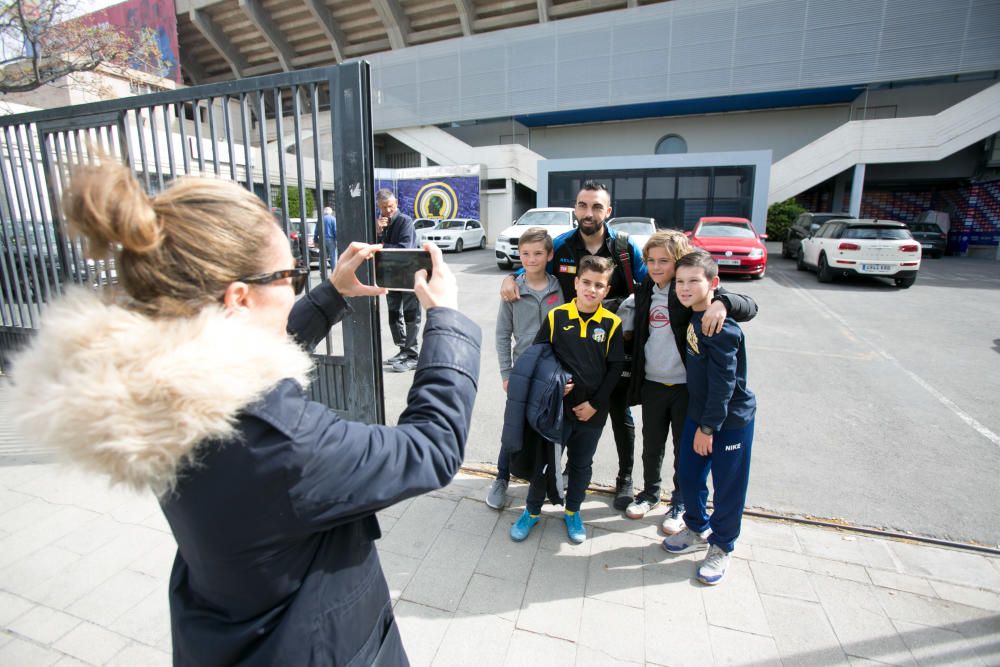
x=518, y=323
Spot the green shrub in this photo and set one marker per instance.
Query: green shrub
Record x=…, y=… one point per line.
x=780, y=216
x=294, y=208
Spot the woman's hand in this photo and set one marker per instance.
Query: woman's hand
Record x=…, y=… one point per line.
x=344, y=276
x=442, y=289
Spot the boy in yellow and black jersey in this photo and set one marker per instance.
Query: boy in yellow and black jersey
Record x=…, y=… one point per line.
x=587, y=340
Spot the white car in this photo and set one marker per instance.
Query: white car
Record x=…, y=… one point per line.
x=456, y=234
x=638, y=229
x=554, y=220
x=423, y=225
x=880, y=248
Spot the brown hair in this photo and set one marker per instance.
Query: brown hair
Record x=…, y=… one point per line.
x=701, y=259
x=177, y=252
x=675, y=243
x=536, y=235
x=595, y=263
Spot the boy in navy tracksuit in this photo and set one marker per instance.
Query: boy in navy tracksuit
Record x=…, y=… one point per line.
x=587, y=339
x=718, y=430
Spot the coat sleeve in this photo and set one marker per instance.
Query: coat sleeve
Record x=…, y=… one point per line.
x=315, y=314
x=740, y=307
x=601, y=398
x=721, y=350
x=639, y=271
x=504, y=331
x=346, y=469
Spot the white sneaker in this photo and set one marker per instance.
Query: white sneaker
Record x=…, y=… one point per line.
x=686, y=542
x=714, y=567
x=640, y=507
x=673, y=522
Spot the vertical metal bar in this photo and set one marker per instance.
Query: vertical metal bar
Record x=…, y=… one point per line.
x=247, y=149
x=71, y=269
x=28, y=285
x=227, y=126
x=181, y=108
x=140, y=129
x=211, y=130
x=10, y=279
x=48, y=146
x=83, y=267
x=51, y=243
x=301, y=181
x=279, y=131
x=318, y=175
x=169, y=134
x=37, y=219
x=353, y=159
x=262, y=132
x=153, y=135
x=196, y=104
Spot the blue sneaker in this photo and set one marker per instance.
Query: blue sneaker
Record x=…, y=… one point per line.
x=574, y=527
x=519, y=531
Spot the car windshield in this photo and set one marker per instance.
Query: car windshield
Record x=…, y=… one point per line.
x=728, y=229
x=535, y=218
x=452, y=224
x=876, y=233
x=633, y=227
x=424, y=223
x=925, y=227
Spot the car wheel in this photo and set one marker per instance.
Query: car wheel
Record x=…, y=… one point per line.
x=823, y=272
x=785, y=252
x=482, y=243
x=905, y=282
x=800, y=261
x=505, y=265
x=458, y=245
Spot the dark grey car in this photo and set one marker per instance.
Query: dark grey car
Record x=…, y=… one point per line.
x=806, y=224
x=932, y=239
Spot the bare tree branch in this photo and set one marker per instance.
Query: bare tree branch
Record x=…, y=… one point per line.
x=41, y=45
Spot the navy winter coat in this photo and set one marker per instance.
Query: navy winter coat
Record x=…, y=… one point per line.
x=276, y=529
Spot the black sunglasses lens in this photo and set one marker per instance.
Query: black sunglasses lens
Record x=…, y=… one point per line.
x=299, y=283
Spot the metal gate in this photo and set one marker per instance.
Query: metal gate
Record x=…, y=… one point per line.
x=286, y=137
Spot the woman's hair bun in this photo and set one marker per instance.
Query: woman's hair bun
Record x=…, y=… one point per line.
x=106, y=204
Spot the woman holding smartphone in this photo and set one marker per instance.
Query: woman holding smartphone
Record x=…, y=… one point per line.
x=189, y=383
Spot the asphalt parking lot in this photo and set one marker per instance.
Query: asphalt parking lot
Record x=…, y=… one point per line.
x=878, y=406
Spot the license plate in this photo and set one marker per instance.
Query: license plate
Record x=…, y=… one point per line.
x=728, y=262
x=514, y=253
x=876, y=268
x=926, y=245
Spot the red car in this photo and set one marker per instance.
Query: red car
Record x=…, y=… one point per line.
x=734, y=244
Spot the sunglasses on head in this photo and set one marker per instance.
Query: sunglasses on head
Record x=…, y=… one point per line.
x=298, y=276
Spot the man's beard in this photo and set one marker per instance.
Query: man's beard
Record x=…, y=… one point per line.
x=592, y=230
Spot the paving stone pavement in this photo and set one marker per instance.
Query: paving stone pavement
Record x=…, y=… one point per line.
x=83, y=581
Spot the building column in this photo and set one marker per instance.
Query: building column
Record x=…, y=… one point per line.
x=857, y=187
x=839, y=183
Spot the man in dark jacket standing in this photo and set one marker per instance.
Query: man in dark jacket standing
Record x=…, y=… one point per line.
x=395, y=230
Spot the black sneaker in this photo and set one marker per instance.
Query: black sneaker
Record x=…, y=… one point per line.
x=624, y=494
x=403, y=365
x=396, y=358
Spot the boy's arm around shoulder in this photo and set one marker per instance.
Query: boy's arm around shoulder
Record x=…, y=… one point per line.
x=740, y=307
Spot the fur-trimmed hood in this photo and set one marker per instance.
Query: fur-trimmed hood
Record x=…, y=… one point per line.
x=132, y=396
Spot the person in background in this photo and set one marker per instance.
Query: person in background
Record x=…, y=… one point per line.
x=394, y=229
x=327, y=234
x=190, y=383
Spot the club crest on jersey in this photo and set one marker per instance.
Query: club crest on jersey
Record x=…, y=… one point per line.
x=692, y=340
x=599, y=335
x=564, y=268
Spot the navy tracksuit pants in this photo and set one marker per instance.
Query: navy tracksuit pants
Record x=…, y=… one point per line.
x=729, y=464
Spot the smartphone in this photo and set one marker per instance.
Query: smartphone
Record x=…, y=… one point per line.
x=394, y=267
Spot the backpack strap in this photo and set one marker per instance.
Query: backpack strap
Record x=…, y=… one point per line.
x=622, y=247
